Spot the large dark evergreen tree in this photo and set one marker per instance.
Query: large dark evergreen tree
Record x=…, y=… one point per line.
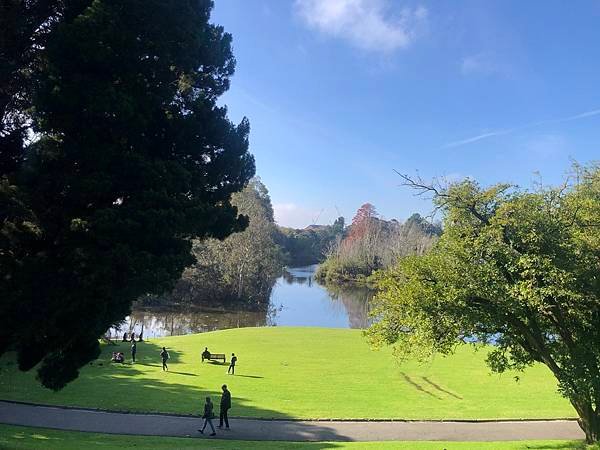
x=132, y=158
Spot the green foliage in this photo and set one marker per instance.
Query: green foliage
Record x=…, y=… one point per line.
x=132, y=159
x=372, y=244
x=309, y=245
x=519, y=269
x=240, y=269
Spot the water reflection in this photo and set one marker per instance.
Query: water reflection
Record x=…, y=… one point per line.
x=297, y=300
x=301, y=301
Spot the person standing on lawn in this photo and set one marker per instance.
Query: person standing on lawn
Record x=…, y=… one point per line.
x=208, y=416
x=232, y=364
x=225, y=405
x=164, y=354
x=133, y=350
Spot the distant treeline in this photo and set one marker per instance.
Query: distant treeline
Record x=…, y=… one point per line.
x=303, y=247
x=240, y=271
x=371, y=243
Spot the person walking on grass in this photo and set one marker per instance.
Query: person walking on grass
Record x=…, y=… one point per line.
x=225, y=405
x=133, y=350
x=232, y=364
x=164, y=354
x=208, y=416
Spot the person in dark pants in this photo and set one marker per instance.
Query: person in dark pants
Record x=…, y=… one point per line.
x=164, y=354
x=205, y=354
x=208, y=416
x=232, y=364
x=133, y=350
x=225, y=405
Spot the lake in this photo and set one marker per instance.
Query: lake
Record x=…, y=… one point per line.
x=297, y=300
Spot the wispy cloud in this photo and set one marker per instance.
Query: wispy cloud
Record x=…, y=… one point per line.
x=472, y=139
x=490, y=134
x=366, y=24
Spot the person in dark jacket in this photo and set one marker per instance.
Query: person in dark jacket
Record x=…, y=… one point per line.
x=225, y=405
x=164, y=354
x=208, y=416
x=232, y=364
x=205, y=354
x=133, y=350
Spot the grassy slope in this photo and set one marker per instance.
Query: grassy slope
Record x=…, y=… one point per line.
x=299, y=373
x=23, y=438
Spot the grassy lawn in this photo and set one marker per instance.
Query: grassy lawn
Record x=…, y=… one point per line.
x=298, y=373
x=24, y=438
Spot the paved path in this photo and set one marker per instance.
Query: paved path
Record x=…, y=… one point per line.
x=284, y=430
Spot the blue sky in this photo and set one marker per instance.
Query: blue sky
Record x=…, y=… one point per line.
x=340, y=93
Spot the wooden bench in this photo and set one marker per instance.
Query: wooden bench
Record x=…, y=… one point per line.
x=216, y=357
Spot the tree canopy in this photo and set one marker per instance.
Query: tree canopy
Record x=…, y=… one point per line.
x=372, y=243
x=129, y=158
x=515, y=268
x=240, y=269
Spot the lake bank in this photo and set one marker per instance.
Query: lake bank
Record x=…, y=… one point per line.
x=297, y=299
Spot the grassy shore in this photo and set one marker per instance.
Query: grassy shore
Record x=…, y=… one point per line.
x=298, y=373
x=25, y=438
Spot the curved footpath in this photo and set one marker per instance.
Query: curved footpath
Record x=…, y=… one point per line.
x=77, y=419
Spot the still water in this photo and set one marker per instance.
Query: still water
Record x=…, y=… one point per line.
x=297, y=300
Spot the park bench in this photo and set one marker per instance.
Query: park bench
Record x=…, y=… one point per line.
x=216, y=357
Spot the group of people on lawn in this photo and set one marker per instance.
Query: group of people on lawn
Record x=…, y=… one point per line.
x=164, y=356
x=208, y=414
x=206, y=355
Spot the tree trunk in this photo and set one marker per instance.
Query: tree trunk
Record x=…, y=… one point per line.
x=589, y=421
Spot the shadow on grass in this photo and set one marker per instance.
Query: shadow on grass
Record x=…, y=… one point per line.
x=418, y=387
x=246, y=376
x=564, y=445
x=441, y=389
x=131, y=388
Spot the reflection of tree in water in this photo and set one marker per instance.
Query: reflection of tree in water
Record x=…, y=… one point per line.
x=355, y=300
x=351, y=300
x=299, y=275
x=179, y=322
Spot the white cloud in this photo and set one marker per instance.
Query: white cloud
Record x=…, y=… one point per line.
x=366, y=24
x=292, y=215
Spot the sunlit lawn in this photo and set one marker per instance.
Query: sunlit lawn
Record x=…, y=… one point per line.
x=24, y=438
x=298, y=373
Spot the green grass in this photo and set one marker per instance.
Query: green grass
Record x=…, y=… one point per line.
x=25, y=438
x=299, y=373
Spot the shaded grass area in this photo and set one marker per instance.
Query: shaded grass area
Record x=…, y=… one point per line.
x=298, y=373
x=26, y=438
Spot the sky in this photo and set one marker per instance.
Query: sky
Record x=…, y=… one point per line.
x=341, y=94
